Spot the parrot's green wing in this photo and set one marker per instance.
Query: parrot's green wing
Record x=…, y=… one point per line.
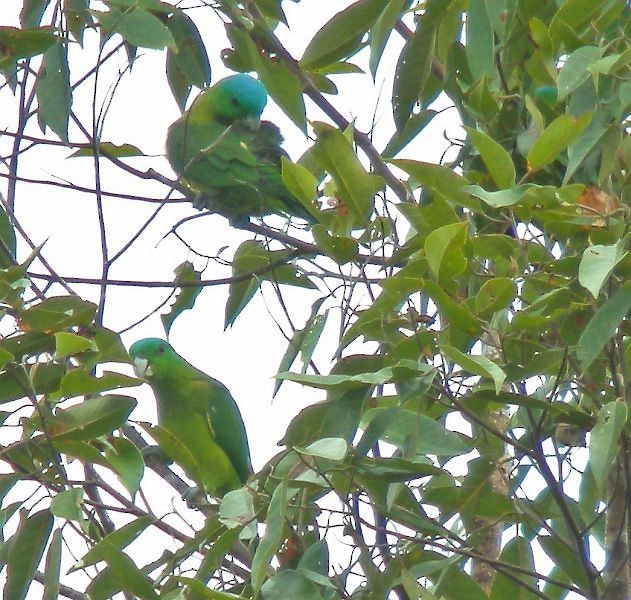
x=235, y=169
x=228, y=429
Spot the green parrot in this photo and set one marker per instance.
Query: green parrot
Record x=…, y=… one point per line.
x=200, y=424
x=230, y=159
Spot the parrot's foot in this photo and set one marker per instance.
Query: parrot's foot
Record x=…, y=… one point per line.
x=195, y=498
x=155, y=453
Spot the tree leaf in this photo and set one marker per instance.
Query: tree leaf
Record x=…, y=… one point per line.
x=331, y=42
x=24, y=43
x=67, y=504
x=565, y=558
x=356, y=187
x=381, y=31
x=80, y=383
x=54, y=96
x=597, y=263
x=603, y=440
x=478, y=365
x=480, y=53
x=301, y=184
x=271, y=541
x=497, y=160
x=575, y=69
x=444, y=249
x=57, y=313
x=412, y=70
x=71, y=344
x=185, y=273
x=53, y=567
x=555, y=138
x=127, y=461
x=297, y=343
x=137, y=26
x=430, y=436
x=329, y=448
x=603, y=325
x=27, y=549
x=91, y=418
x=190, y=54
x=519, y=553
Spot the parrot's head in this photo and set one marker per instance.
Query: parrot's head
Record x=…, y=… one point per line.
x=238, y=97
x=151, y=357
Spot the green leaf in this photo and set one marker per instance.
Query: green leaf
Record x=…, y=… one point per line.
x=54, y=96
x=271, y=541
x=301, y=183
x=495, y=294
x=430, y=437
x=79, y=383
x=497, y=160
x=330, y=448
x=71, y=344
x=565, y=558
x=603, y=440
x=603, y=325
x=519, y=553
x=480, y=53
x=109, y=149
x=439, y=179
x=413, y=126
x=185, y=273
x=52, y=570
x=381, y=30
x=500, y=199
x=190, y=54
x=127, y=461
x=412, y=70
x=27, y=549
x=356, y=187
x=91, y=418
x=197, y=590
x=290, y=584
x=32, y=12
x=597, y=263
x=68, y=504
x=78, y=17
x=250, y=267
x=118, y=539
x=57, y=313
x=342, y=35
x=137, y=26
x=8, y=242
x=444, y=249
x=478, y=365
x=555, y=138
x=401, y=370
x=575, y=69
x=302, y=338
x=121, y=574
x=24, y=43
x=341, y=249
x=237, y=508
x=455, y=584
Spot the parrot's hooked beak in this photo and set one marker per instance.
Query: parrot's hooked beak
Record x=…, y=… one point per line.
x=142, y=368
x=252, y=122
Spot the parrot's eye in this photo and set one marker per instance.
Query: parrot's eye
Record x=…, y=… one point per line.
x=160, y=349
x=234, y=101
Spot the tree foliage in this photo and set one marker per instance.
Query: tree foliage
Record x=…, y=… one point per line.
x=473, y=428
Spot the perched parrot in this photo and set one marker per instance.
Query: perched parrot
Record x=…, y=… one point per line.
x=230, y=159
x=197, y=412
